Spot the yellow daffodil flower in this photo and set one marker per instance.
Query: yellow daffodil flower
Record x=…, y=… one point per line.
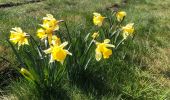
x=41, y=33
x=56, y=40
x=58, y=53
x=18, y=36
x=50, y=24
x=98, y=19
x=95, y=35
x=120, y=15
x=128, y=30
x=103, y=50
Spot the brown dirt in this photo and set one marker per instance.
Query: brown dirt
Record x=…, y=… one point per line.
x=11, y=4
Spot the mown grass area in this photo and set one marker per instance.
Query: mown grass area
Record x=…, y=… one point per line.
x=142, y=70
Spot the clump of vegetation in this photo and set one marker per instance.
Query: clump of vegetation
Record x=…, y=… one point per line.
x=44, y=62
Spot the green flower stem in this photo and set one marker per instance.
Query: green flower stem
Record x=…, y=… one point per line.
x=116, y=37
x=86, y=65
x=105, y=32
x=86, y=54
x=90, y=45
x=112, y=24
x=60, y=36
x=120, y=43
x=111, y=36
x=39, y=49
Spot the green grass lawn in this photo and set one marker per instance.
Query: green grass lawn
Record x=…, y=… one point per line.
x=143, y=73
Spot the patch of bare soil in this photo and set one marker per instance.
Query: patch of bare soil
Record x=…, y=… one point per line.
x=116, y=6
x=11, y=4
x=6, y=76
x=7, y=73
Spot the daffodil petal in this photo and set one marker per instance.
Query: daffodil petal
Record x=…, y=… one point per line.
x=98, y=55
x=63, y=44
x=110, y=45
x=17, y=29
x=106, y=41
x=48, y=51
x=51, y=59
x=131, y=24
x=96, y=14
x=69, y=53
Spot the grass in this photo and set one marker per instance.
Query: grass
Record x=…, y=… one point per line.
x=140, y=72
x=13, y=1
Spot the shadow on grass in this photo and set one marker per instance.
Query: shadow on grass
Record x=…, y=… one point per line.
x=115, y=76
x=113, y=79
x=53, y=94
x=166, y=74
x=25, y=90
x=92, y=83
x=7, y=76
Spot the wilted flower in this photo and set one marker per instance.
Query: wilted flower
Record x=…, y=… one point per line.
x=18, y=36
x=120, y=15
x=58, y=53
x=95, y=35
x=98, y=19
x=103, y=50
x=128, y=30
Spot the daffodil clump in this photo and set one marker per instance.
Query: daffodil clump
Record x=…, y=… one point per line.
x=45, y=62
x=120, y=31
x=41, y=64
x=98, y=45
